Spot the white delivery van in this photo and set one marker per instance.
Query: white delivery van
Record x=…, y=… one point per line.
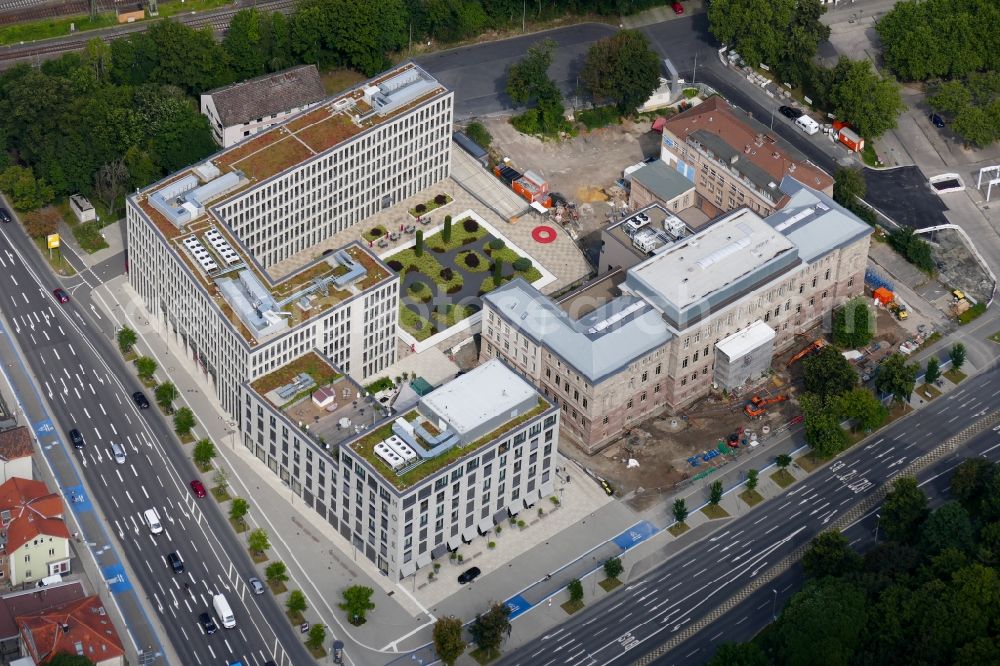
x=50, y=580
x=807, y=124
x=223, y=610
x=153, y=520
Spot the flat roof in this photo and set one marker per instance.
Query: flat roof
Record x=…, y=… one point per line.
x=484, y=393
x=742, y=342
x=662, y=180
x=745, y=145
x=701, y=271
x=596, y=345
x=815, y=222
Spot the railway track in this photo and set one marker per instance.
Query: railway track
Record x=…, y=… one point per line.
x=218, y=20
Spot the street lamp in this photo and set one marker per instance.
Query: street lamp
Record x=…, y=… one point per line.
x=878, y=518
x=774, y=606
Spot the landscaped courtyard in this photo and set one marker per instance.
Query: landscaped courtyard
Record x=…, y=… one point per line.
x=444, y=277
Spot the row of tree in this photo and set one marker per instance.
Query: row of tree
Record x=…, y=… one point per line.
x=785, y=35
x=927, y=593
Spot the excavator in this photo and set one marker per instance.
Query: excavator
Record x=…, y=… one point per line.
x=813, y=346
x=757, y=406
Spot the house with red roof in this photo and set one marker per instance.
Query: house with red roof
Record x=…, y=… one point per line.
x=16, y=447
x=80, y=627
x=34, y=538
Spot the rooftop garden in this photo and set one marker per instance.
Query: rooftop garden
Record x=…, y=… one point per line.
x=328, y=133
x=311, y=363
x=274, y=159
x=365, y=447
x=428, y=206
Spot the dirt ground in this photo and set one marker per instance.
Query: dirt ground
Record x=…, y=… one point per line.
x=957, y=267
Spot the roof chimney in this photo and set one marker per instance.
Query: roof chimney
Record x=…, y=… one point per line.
x=65, y=628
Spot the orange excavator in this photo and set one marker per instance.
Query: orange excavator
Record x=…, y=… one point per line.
x=757, y=406
x=813, y=346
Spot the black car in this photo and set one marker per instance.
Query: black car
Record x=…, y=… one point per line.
x=76, y=438
x=789, y=112
x=469, y=575
x=5, y=215
x=139, y=398
x=207, y=623
x=936, y=120
x=176, y=563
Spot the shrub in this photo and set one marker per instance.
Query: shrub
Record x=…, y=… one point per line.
x=126, y=339
x=468, y=240
x=418, y=247
x=478, y=133
x=183, y=421
x=420, y=208
x=491, y=545
x=454, y=289
x=395, y=265
x=376, y=232
x=440, y=199
x=497, y=244
x=471, y=260
x=522, y=264
x=446, y=231
x=417, y=287
x=145, y=366
x=470, y=225
x=447, y=274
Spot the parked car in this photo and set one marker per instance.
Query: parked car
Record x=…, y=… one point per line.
x=207, y=623
x=198, y=488
x=469, y=575
x=76, y=438
x=139, y=398
x=789, y=112
x=936, y=120
x=256, y=585
x=678, y=8
x=60, y=295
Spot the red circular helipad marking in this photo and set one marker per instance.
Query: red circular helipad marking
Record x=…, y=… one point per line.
x=543, y=234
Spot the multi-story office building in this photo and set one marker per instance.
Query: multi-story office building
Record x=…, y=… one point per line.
x=681, y=313
x=205, y=244
x=733, y=160
x=407, y=488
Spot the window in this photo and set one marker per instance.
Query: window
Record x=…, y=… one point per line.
x=827, y=274
x=628, y=405
x=605, y=420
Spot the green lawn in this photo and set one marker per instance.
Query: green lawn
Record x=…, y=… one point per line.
x=459, y=236
x=375, y=233
x=414, y=324
x=751, y=497
x=188, y=6
x=571, y=606
x=955, y=376
x=56, y=27
x=928, y=392
x=430, y=205
x=609, y=584
x=482, y=266
x=56, y=262
x=810, y=462
x=678, y=529
x=714, y=511
x=783, y=478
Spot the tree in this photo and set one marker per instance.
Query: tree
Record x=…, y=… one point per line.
x=904, y=510
x=204, y=453
x=528, y=83
x=276, y=573
x=296, y=602
x=221, y=479
x=822, y=426
x=317, y=634
x=613, y=567
x=478, y=133
x=970, y=483
x=126, y=339
x=26, y=192
x=896, y=378
x=752, y=479
x=449, y=642
x=783, y=460
x=258, y=542
x=183, y=421
x=575, y=588
x=913, y=248
x=828, y=373
x=949, y=526
x=41, y=223
x=357, y=603
x=755, y=28
x=238, y=510
x=738, y=654
x=715, y=493
x=110, y=184
x=863, y=408
x=848, y=187
x=166, y=393
x=418, y=244
x=497, y=271
x=146, y=366
x=622, y=70
x=446, y=230
x=933, y=371
x=244, y=44
x=829, y=554
x=827, y=618
x=680, y=510
x=853, y=325
x=869, y=103
x=490, y=628
x=957, y=356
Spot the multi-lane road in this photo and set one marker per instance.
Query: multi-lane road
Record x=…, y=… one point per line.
x=79, y=381
x=654, y=607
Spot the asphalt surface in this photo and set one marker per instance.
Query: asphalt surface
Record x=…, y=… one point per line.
x=744, y=621
x=634, y=621
x=905, y=196
x=82, y=382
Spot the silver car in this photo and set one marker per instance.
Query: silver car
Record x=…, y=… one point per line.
x=256, y=585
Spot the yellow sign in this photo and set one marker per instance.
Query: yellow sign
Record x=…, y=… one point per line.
x=53, y=241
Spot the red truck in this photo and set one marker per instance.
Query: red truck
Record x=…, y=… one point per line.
x=843, y=133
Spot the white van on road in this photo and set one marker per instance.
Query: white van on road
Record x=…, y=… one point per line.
x=223, y=610
x=153, y=520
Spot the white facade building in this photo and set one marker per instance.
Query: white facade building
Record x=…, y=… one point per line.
x=417, y=484
x=202, y=243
